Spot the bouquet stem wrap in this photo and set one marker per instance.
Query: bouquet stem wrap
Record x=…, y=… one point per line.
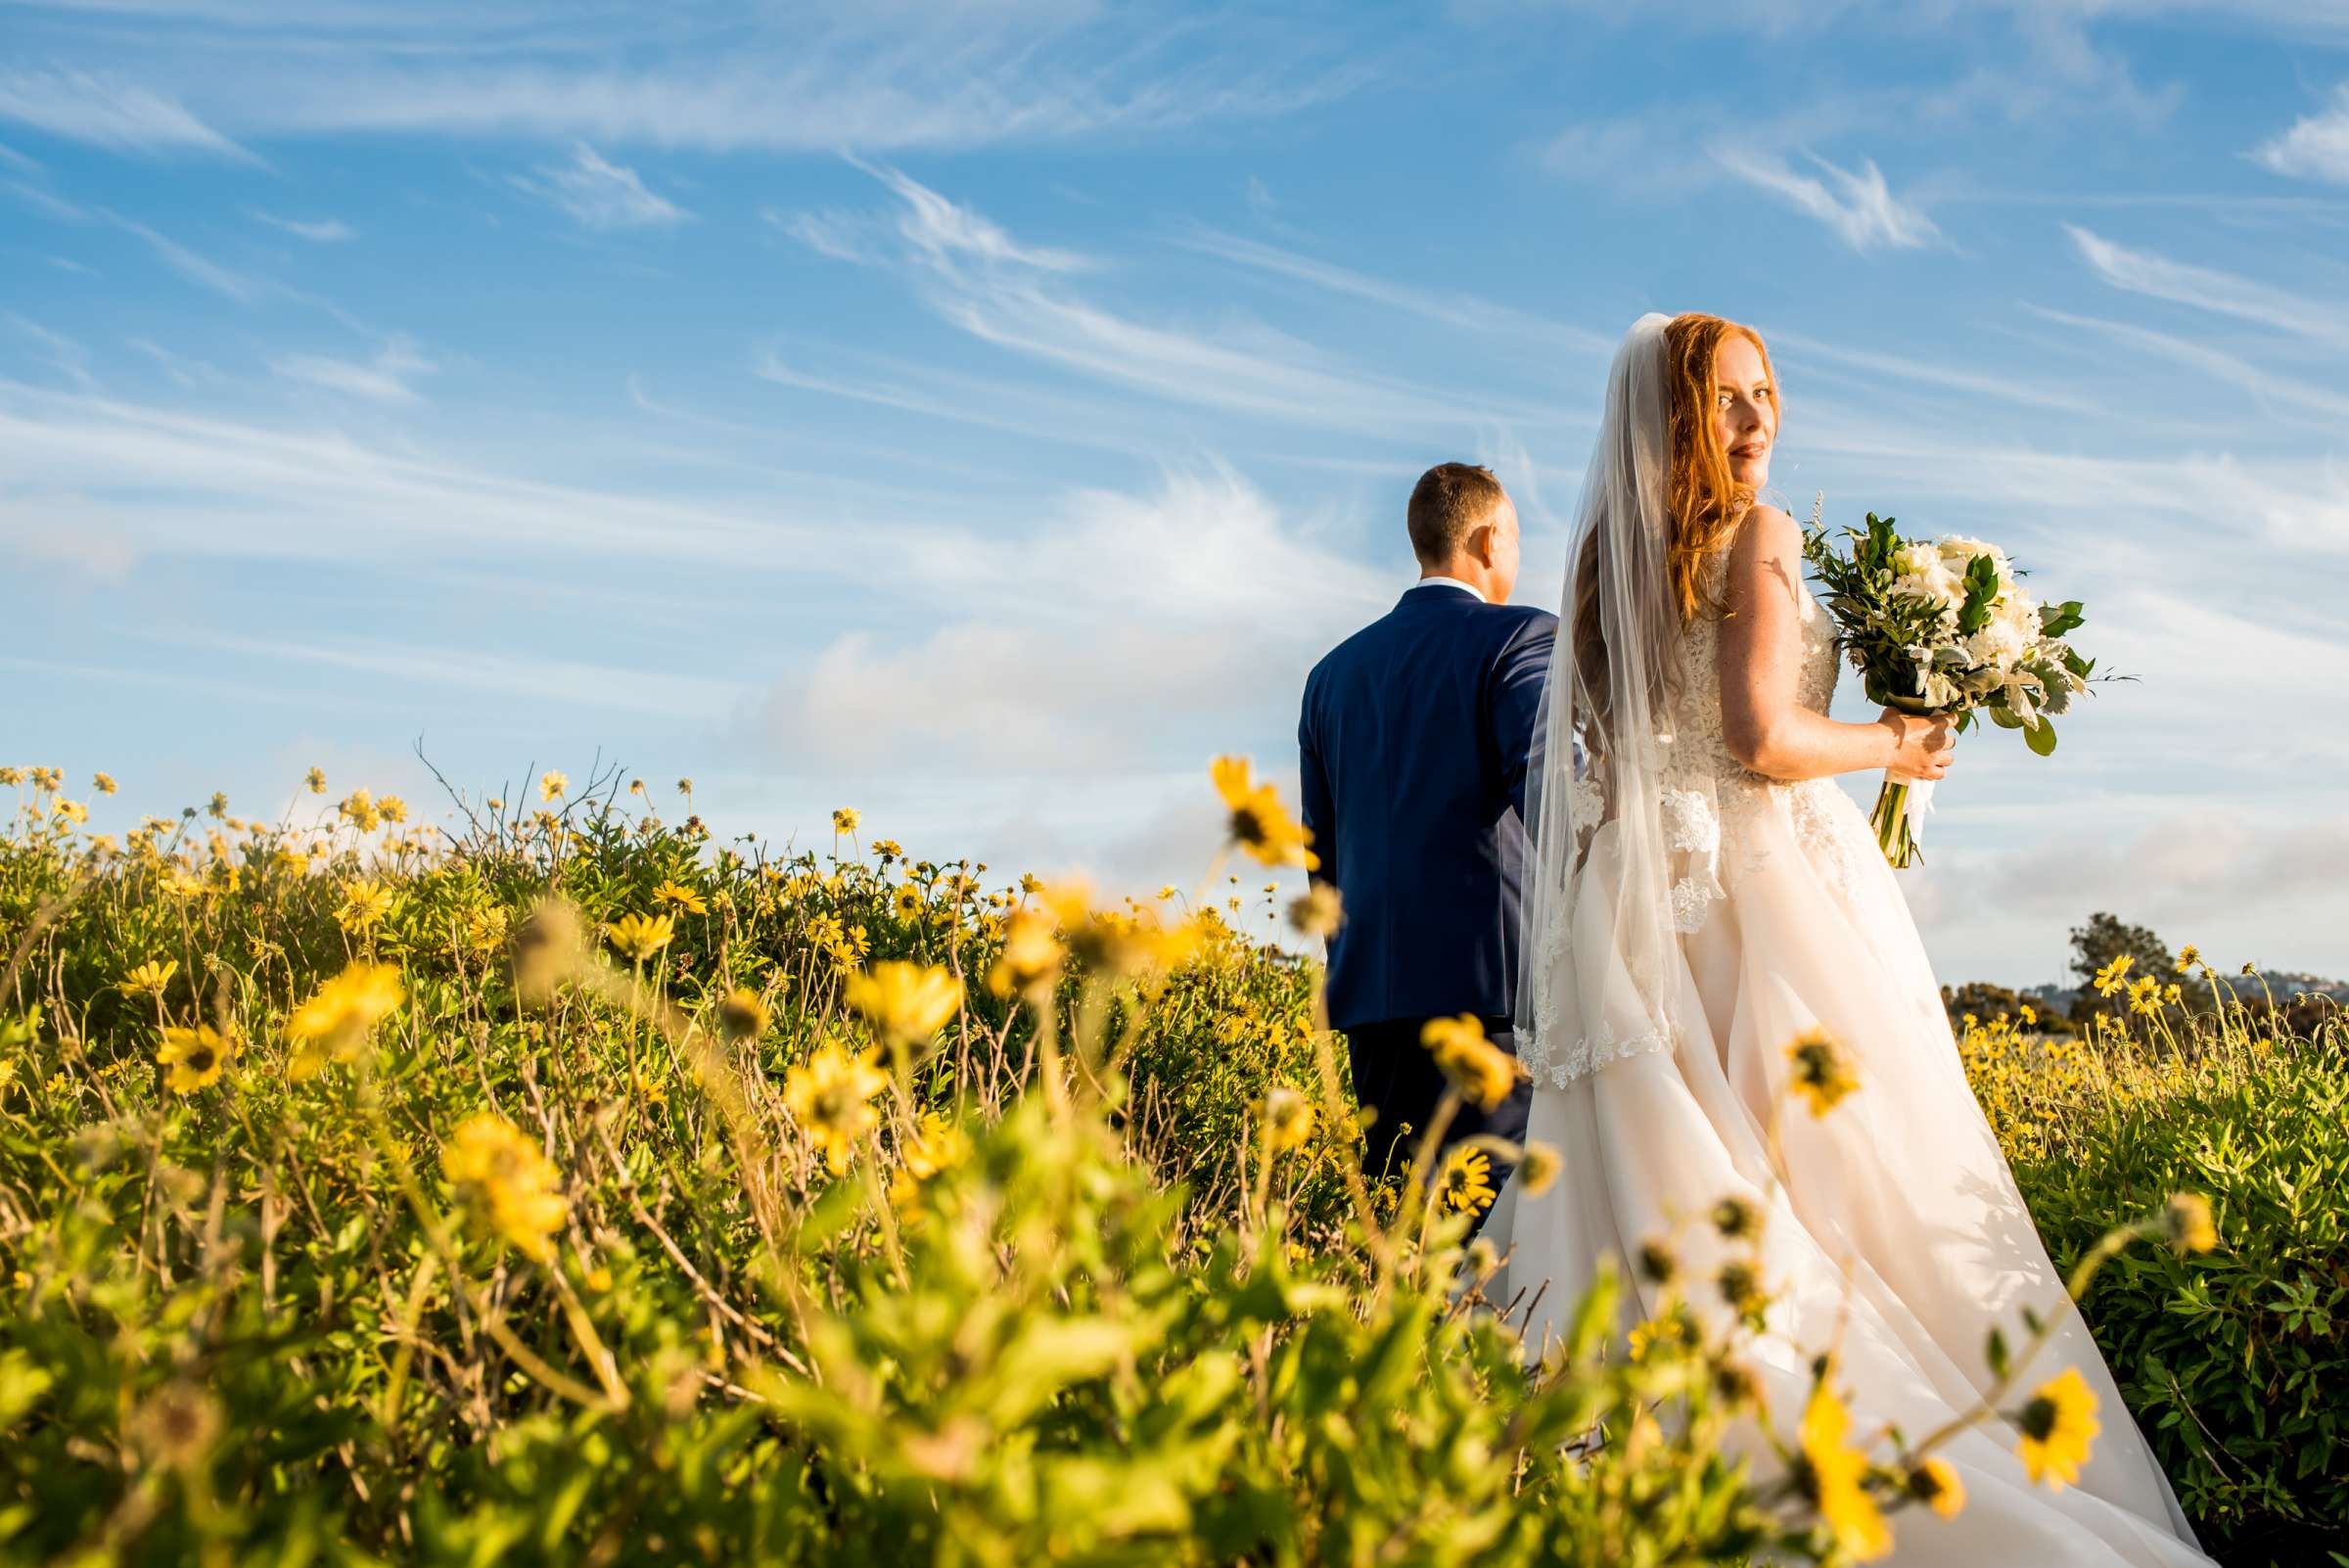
x=1898, y=819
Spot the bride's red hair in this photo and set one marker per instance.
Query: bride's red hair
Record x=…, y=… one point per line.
x=1703, y=503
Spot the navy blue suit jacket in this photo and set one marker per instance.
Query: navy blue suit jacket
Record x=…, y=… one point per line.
x=1414, y=738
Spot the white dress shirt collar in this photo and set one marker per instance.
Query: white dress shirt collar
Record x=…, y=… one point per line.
x=1454, y=583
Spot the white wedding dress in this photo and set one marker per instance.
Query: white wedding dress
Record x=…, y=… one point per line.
x=1893, y=1227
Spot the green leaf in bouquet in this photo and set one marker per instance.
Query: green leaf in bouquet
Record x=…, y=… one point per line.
x=1877, y=553
x=2054, y=620
x=1981, y=589
x=2040, y=738
x=2076, y=664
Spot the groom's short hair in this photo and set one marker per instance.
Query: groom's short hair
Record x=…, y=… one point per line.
x=1449, y=500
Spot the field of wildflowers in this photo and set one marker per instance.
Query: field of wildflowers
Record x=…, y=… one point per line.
x=572, y=1188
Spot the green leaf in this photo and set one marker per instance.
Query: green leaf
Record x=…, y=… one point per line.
x=2040, y=738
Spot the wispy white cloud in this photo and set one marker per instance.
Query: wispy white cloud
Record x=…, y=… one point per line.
x=199, y=269
x=2284, y=396
x=1889, y=372
x=1464, y=311
x=554, y=682
x=599, y=194
x=389, y=377
x=46, y=203
x=2317, y=146
x=57, y=350
x=183, y=369
x=318, y=231
x=65, y=263
x=1860, y=207
x=2221, y=293
x=1017, y=297
x=110, y=112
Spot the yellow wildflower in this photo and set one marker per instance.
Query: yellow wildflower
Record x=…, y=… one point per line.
x=1539, y=1168
x=72, y=811
x=150, y=976
x=907, y=903
x=507, y=1182
x=1833, y=1477
x=830, y=1097
x=905, y=1003
x=552, y=783
x=938, y=1144
x=1935, y=1484
x=1030, y=959
x=742, y=1015
x=335, y=1021
x=315, y=778
x=2108, y=979
x=1655, y=1334
x=684, y=897
x=1318, y=913
x=103, y=783
x=2188, y=1224
x=1479, y=1069
x=1467, y=1180
x=1260, y=823
x=2059, y=1427
x=394, y=808
x=11, y=775
x=1823, y=1072
x=641, y=935
x=365, y=901
x=195, y=1056
x=845, y=819
x=1288, y=1119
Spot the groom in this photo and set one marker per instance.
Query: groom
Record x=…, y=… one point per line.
x=1414, y=738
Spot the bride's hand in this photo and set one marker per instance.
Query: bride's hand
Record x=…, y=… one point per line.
x=1921, y=748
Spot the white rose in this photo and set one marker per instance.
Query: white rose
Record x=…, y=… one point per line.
x=1915, y=561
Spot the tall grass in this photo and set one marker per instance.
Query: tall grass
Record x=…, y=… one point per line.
x=577, y=1190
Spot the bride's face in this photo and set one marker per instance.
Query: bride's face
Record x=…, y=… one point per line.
x=1745, y=409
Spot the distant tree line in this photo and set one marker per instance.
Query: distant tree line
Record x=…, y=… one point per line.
x=2107, y=938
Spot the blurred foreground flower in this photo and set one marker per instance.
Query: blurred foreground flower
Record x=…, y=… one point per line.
x=906, y=1004
x=1030, y=959
x=2058, y=1428
x=333, y=1024
x=1834, y=1476
x=506, y=1183
x=1288, y=1119
x=2186, y=1222
x=1935, y=1484
x=830, y=1097
x=1823, y=1072
x=1479, y=1069
x=1260, y=823
x=1318, y=912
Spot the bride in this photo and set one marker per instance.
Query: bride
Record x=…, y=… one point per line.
x=1702, y=894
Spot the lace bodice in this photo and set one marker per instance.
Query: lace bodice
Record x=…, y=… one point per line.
x=1709, y=801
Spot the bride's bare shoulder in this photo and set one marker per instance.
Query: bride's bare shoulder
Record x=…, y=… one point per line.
x=1764, y=552
x=1766, y=533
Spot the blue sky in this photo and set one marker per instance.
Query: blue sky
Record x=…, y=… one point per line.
x=983, y=414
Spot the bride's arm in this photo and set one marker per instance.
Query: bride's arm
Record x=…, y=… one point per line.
x=1762, y=717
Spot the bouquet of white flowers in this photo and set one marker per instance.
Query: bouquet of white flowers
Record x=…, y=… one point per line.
x=1941, y=628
